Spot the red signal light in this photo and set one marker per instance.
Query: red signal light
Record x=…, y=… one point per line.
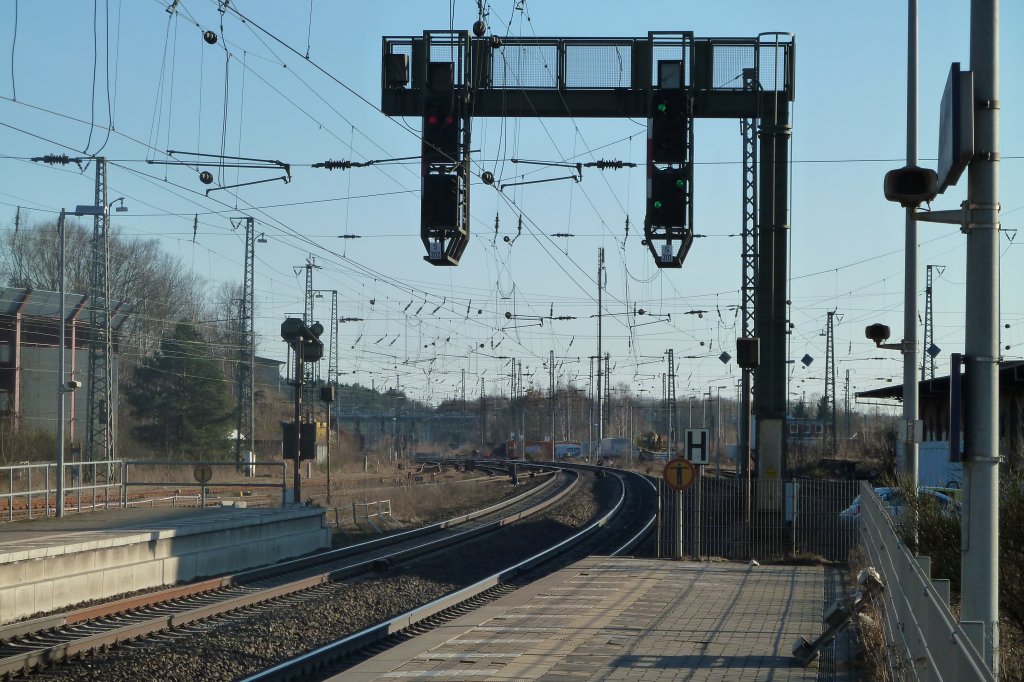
x=432, y=119
x=448, y=119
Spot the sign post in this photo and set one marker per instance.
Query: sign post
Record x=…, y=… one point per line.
x=203, y=473
x=697, y=447
x=679, y=474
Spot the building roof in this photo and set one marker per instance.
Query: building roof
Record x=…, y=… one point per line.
x=260, y=360
x=46, y=304
x=1011, y=375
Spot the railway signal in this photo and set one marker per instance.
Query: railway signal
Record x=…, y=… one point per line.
x=669, y=126
x=444, y=196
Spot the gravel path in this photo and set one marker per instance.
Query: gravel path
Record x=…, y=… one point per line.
x=247, y=643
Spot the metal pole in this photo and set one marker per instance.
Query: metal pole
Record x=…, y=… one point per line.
x=551, y=398
x=600, y=405
x=718, y=433
x=329, y=408
x=297, y=475
x=980, y=565
x=910, y=386
x=60, y=376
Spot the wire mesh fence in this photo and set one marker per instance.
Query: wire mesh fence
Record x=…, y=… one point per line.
x=775, y=520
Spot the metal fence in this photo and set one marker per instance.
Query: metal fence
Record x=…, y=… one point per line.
x=30, y=490
x=775, y=520
x=157, y=474
x=368, y=511
x=928, y=642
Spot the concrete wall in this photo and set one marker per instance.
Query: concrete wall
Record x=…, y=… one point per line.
x=59, y=572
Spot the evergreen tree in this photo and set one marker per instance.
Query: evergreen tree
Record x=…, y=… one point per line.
x=180, y=397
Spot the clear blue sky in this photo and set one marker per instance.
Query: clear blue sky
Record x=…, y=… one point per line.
x=167, y=90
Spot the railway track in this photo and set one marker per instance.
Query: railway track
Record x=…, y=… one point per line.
x=628, y=521
x=43, y=642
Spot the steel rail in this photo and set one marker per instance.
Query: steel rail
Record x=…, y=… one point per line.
x=28, y=627
x=304, y=665
x=238, y=591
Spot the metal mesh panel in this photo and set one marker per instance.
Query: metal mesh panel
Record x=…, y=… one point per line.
x=662, y=52
x=773, y=66
x=449, y=52
x=597, y=66
x=525, y=66
x=728, y=64
x=717, y=521
x=404, y=48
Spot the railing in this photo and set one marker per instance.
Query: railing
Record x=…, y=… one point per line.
x=528, y=63
x=177, y=474
x=929, y=642
x=379, y=509
x=30, y=490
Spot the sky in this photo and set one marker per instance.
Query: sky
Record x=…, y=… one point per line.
x=299, y=82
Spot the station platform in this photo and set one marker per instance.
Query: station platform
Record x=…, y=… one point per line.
x=50, y=563
x=611, y=618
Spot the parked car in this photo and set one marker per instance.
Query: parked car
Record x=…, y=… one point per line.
x=892, y=498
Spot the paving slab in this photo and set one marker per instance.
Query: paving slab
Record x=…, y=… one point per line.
x=612, y=618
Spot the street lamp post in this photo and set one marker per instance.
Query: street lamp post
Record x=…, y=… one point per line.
x=64, y=387
x=60, y=373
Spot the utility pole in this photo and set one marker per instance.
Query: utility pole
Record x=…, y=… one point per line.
x=590, y=410
x=846, y=410
x=521, y=414
x=830, y=384
x=910, y=387
x=608, y=389
x=307, y=318
x=600, y=311
x=332, y=380
x=551, y=398
x=930, y=349
x=296, y=474
x=483, y=417
x=748, y=129
x=246, y=348
x=670, y=401
x=328, y=389
x=512, y=394
x=718, y=431
x=980, y=524
x=100, y=434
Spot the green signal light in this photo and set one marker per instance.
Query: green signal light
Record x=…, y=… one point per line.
x=680, y=184
x=663, y=107
x=657, y=204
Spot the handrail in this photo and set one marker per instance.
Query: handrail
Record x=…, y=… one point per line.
x=16, y=483
x=931, y=644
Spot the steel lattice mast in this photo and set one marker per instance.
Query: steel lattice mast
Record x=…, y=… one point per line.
x=670, y=401
x=100, y=432
x=246, y=346
x=310, y=373
x=748, y=129
x=830, y=384
x=928, y=357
